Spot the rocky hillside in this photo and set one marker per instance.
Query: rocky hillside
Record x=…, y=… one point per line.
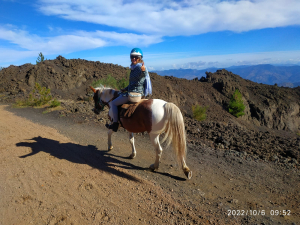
x=266, y=105
x=268, y=129
x=66, y=78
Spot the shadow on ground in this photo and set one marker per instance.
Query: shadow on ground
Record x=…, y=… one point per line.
x=90, y=155
x=76, y=153
x=155, y=172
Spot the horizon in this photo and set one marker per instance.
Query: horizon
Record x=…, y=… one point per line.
x=275, y=65
x=172, y=34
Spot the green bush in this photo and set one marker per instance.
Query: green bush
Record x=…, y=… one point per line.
x=54, y=103
x=38, y=97
x=110, y=81
x=236, y=106
x=124, y=82
x=199, y=113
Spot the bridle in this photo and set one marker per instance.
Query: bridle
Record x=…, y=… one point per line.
x=102, y=103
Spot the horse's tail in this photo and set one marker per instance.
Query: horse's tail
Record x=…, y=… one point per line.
x=175, y=131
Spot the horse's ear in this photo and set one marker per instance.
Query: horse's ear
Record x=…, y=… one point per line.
x=93, y=89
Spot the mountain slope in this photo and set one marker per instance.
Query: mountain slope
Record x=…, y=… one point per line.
x=269, y=126
x=269, y=74
x=264, y=73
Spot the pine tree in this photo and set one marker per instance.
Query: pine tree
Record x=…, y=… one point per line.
x=236, y=105
x=41, y=58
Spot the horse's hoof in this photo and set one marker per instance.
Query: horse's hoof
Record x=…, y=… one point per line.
x=152, y=167
x=111, y=147
x=188, y=174
x=132, y=156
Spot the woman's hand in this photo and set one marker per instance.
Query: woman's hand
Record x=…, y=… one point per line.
x=143, y=68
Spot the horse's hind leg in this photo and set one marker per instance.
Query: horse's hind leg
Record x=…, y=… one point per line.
x=131, y=139
x=158, y=150
x=109, y=133
x=186, y=169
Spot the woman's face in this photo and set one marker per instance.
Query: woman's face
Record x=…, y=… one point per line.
x=134, y=59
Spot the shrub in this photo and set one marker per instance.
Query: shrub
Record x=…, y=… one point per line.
x=199, y=113
x=236, y=106
x=110, y=81
x=38, y=97
x=124, y=82
x=22, y=103
x=54, y=103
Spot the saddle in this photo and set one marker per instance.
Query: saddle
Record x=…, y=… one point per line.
x=127, y=110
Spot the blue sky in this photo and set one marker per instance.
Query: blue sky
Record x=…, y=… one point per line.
x=194, y=34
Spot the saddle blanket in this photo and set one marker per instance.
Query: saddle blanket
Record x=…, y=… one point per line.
x=128, y=109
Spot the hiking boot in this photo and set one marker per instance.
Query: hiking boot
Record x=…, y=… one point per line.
x=114, y=126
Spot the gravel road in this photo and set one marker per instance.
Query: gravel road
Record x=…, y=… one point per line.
x=57, y=170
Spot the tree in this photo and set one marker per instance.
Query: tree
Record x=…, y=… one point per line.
x=41, y=58
x=236, y=106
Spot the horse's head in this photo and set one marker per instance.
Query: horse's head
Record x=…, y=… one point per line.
x=99, y=104
x=102, y=96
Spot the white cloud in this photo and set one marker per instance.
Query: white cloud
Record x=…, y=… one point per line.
x=9, y=55
x=169, y=18
x=203, y=62
x=24, y=44
x=49, y=45
x=195, y=65
x=129, y=39
x=178, y=60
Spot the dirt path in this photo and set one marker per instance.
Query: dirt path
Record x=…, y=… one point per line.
x=46, y=178
x=55, y=171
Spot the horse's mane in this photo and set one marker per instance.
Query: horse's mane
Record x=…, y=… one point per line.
x=107, y=91
x=102, y=88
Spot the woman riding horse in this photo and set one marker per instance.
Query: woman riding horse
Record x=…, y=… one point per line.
x=154, y=116
x=135, y=90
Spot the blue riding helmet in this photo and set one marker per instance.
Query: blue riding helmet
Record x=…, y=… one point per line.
x=136, y=52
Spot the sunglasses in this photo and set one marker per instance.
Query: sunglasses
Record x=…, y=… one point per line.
x=134, y=57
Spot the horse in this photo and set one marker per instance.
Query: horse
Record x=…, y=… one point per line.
x=154, y=116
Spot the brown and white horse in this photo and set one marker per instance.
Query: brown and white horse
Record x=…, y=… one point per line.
x=154, y=116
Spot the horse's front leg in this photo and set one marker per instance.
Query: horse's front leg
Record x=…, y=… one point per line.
x=131, y=139
x=109, y=133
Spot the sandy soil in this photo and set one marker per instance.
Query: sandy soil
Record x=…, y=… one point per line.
x=57, y=171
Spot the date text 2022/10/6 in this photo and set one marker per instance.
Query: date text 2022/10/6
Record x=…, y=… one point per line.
x=259, y=212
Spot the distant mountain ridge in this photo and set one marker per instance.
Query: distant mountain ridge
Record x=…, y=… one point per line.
x=288, y=76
